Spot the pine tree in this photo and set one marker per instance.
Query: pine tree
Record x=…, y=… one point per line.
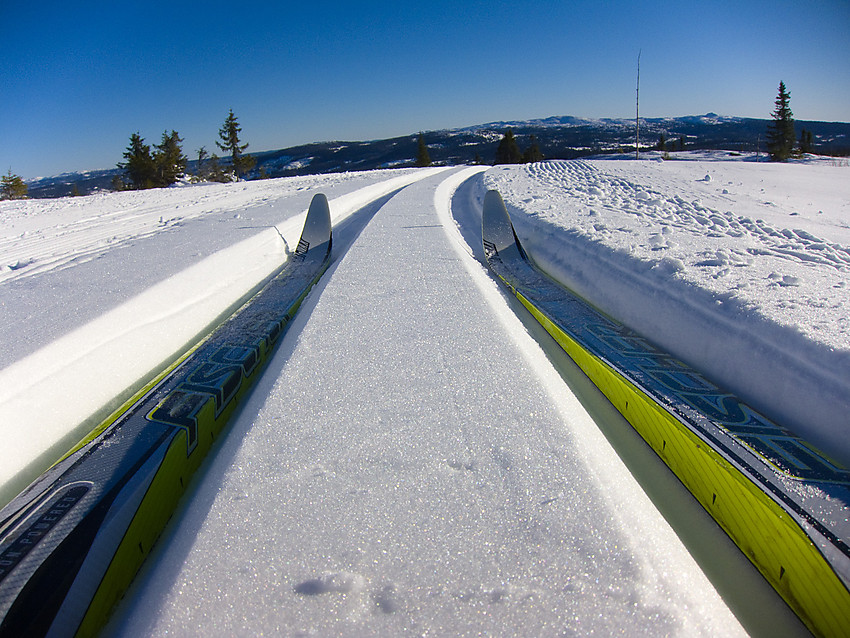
x=139, y=168
x=532, y=153
x=662, y=142
x=215, y=171
x=200, y=166
x=806, y=141
x=118, y=183
x=508, y=152
x=230, y=143
x=422, y=156
x=780, y=132
x=169, y=159
x=12, y=186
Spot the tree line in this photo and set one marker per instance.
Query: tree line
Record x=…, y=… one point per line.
x=508, y=151
x=166, y=163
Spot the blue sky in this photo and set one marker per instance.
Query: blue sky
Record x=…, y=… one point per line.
x=78, y=78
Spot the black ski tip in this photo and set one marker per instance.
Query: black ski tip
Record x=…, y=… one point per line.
x=497, y=230
x=317, y=226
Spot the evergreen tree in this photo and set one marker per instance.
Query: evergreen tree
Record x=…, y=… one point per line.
x=662, y=142
x=780, y=132
x=12, y=186
x=216, y=172
x=806, y=141
x=681, y=142
x=201, y=166
x=422, y=156
x=230, y=143
x=508, y=152
x=532, y=153
x=139, y=168
x=118, y=183
x=169, y=159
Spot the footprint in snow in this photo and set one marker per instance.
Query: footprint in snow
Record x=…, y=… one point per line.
x=338, y=582
x=387, y=600
x=785, y=280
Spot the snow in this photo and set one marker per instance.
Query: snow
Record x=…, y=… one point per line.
x=416, y=458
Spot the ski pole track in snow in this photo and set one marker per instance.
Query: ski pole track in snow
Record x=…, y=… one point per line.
x=655, y=210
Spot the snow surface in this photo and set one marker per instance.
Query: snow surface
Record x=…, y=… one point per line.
x=412, y=460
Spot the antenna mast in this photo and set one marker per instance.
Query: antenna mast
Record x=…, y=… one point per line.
x=637, y=110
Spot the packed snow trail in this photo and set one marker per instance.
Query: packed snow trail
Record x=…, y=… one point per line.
x=402, y=467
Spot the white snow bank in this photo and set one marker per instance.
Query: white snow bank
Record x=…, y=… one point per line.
x=50, y=399
x=746, y=276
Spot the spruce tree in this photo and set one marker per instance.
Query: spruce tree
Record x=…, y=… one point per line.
x=508, y=152
x=118, y=183
x=230, y=143
x=806, y=141
x=139, y=168
x=216, y=172
x=200, y=166
x=532, y=153
x=12, y=186
x=422, y=156
x=780, y=132
x=169, y=159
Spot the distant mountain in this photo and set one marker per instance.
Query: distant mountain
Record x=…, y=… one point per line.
x=560, y=137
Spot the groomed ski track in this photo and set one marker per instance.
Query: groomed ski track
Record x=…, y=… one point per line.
x=391, y=477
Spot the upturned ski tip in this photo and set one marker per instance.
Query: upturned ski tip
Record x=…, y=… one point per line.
x=497, y=230
x=317, y=227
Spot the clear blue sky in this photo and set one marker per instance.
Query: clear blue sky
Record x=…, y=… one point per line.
x=79, y=77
